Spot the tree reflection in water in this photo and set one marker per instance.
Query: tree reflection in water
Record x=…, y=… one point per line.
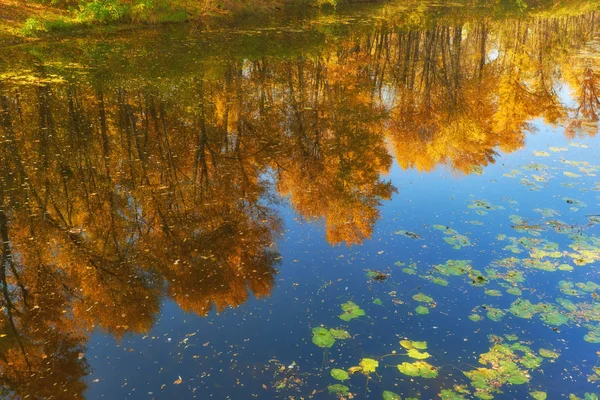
x=120, y=188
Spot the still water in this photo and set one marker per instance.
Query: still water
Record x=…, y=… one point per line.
x=378, y=203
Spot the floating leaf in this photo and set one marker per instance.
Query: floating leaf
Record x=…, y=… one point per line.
x=422, y=310
x=416, y=354
x=568, y=288
x=449, y=394
x=548, y=353
x=504, y=363
x=354, y=369
x=322, y=337
x=439, y=281
x=339, y=334
x=423, y=298
x=387, y=395
x=454, y=267
x=593, y=336
x=408, y=234
x=523, y=309
x=351, y=311
x=493, y=293
x=554, y=317
x=483, y=206
x=338, y=389
x=475, y=317
x=377, y=275
x=368, y=365
x=565, y=267
x=339, y=374
x=418, y=368
x=566, y=303
x=408, y=344
x=495, y=314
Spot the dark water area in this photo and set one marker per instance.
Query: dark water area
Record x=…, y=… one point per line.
x=387, y=202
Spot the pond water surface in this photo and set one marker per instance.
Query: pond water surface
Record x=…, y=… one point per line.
x=290, y=212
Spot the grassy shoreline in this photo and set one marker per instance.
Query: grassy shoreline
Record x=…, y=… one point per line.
x=35, y=20
x=22, y=22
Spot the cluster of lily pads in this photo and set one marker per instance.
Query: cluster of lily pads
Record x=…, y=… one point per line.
x=368, y=366
x=508, y=362
x=453, y=238
x=509, y=272
x=326, y=338
x=423, y=298
x=529, y=250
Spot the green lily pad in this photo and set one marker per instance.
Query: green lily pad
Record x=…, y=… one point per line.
x=566, y=303
x=493, y=293
x=475, y=317
x=339, y=374
x=548, y=353
x=408, y=234
x=537, y=395
x=589, y=287
x=541, y=153
x=554, y=317
x=377, y=275
x=449, y=394
x=423, y=298
x=339, y=334
x=523, y=308
x=454, y=267
x=416, y=354
x=503, y=364
x=568, y=288
x=351, y=311
x=409, y=344
x=418, y=368
x=495, y=314
x=338, y=389
x=387, y=395
x=565, y=267
x=439, y=281
x=322, y=337
x=593, y=336
x=378, y=302
x=539, y=264
x=422, y=310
